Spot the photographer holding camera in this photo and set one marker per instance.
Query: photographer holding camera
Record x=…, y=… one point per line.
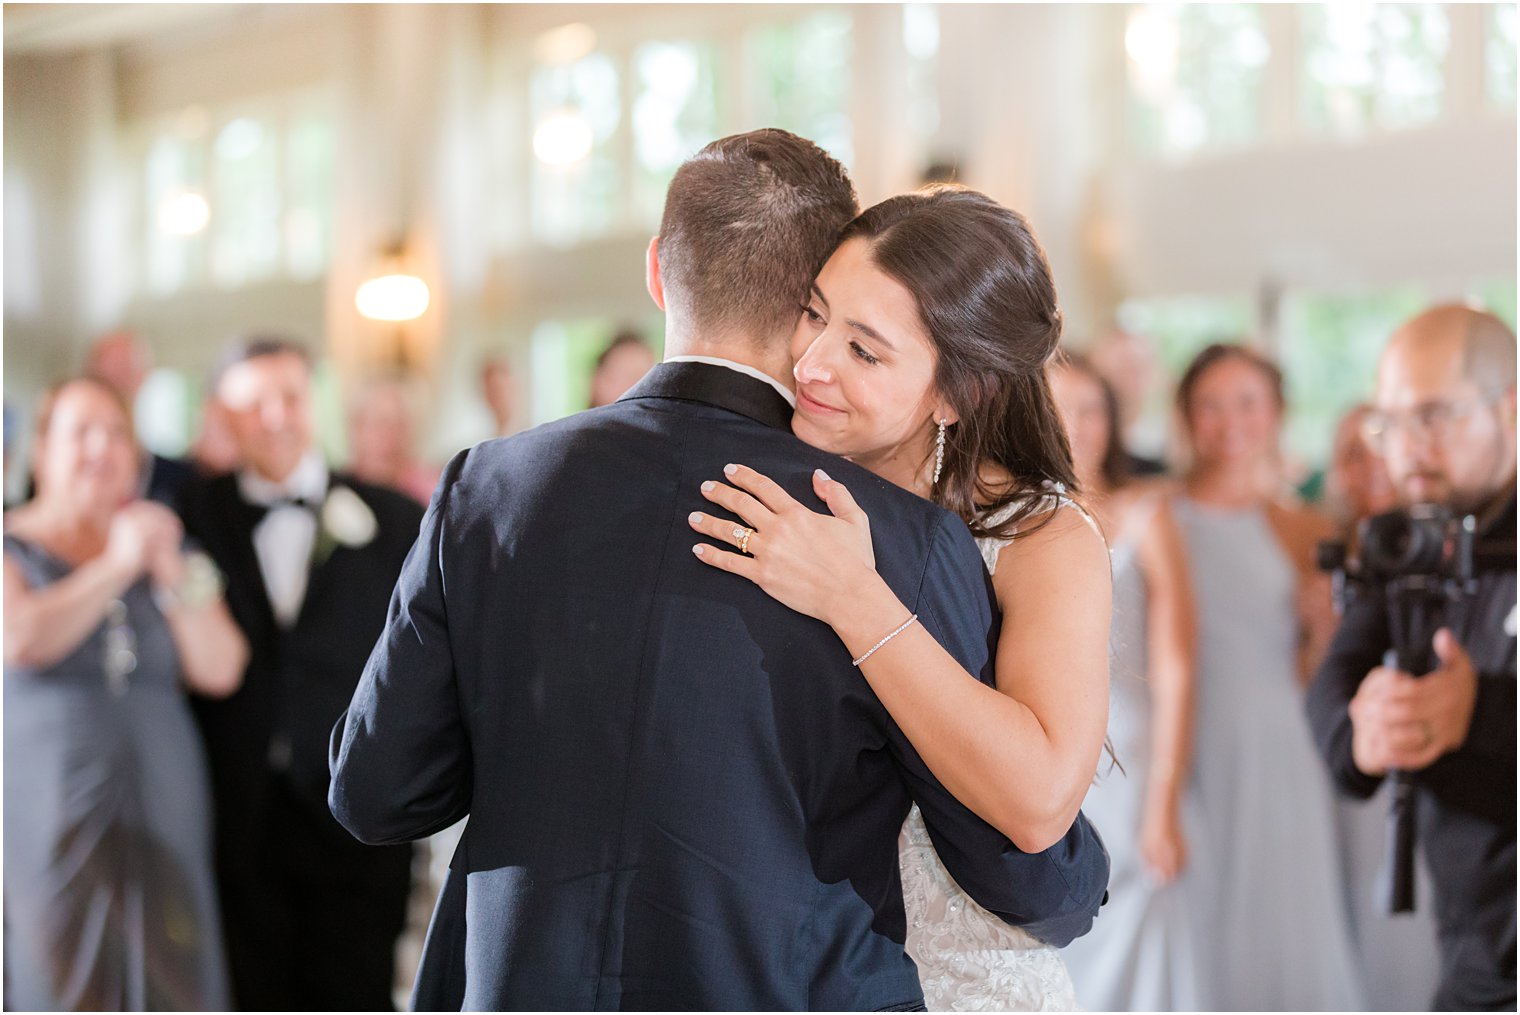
x=1445, y=422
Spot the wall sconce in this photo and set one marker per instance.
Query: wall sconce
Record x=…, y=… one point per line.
x=393, y=294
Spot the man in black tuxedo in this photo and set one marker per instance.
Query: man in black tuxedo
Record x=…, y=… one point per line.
x=310, y=558
x=681, y=794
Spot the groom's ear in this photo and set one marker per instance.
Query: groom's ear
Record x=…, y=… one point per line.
x=652, y=273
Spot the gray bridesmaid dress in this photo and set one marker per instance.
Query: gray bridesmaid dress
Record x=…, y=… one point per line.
x=109, y=898
x=1269, y=888
x=1142, y=953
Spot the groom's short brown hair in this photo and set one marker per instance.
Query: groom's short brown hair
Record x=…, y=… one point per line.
x=748, y=222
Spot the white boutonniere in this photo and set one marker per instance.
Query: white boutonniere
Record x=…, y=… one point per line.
x=345, y=521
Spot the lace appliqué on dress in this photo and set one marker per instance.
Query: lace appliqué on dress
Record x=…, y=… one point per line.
x=968, y=959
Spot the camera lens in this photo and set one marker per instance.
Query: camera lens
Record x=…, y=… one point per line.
x=1403, y=544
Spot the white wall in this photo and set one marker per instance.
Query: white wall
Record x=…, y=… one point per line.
x=1434, y=204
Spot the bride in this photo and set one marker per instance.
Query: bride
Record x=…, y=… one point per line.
x=921, y=356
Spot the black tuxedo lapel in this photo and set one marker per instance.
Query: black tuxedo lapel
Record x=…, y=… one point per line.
x=717, y=386
x=244, y=558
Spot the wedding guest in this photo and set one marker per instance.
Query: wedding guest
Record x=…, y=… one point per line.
x=380, y=438
x=621, y=365
x=1400, y=960
x=1356, y=483
x=122, y=361
x=498, y=385
x=1268, y=890
x=109, y=897
x=1143, y=954
x=311, y=916
x=1129, y=363
x=215, y=450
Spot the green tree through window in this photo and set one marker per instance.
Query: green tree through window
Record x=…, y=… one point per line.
x=1372, y=65
x=1196, y=73
x=799, y=79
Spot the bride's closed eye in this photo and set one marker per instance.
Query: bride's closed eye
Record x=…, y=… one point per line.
x=861, y=353
x=812, y=315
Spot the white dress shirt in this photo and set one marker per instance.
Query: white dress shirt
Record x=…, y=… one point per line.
x=284, y=539
x=743, y=368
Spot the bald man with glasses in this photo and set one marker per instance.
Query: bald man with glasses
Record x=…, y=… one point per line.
x=1444, y=421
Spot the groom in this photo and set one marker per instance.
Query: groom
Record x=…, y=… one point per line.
x=681, y=794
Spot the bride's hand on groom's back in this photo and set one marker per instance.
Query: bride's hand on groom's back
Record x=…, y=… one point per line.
x=807, y=560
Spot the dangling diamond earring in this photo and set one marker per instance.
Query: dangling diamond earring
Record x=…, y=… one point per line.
x=939, y=452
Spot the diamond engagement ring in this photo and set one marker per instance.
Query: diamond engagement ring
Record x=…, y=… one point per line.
x=741, y=537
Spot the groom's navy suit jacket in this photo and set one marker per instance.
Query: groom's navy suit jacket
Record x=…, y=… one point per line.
x=681, y=794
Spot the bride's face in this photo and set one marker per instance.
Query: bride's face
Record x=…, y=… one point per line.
x=864, y=364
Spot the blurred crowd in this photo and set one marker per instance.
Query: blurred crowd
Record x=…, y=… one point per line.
x=181, y=635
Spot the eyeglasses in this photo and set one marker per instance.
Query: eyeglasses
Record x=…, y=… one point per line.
x=1431, y=421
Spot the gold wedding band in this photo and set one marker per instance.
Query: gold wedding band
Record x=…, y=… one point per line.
x=741, y=536
x=1430, y=734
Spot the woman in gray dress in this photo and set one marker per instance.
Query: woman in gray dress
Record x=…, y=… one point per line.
x=1270, y=887
x=109, y=897
x=1142, y=953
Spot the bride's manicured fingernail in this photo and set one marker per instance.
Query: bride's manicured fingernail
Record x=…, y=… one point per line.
x=695, y=518
x=730, y=469
x=697, y=549
x=823, y=475
x=707, y=487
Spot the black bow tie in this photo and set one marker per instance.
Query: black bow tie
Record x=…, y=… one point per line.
x=257, y=512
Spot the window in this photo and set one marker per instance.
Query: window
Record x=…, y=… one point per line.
x=23, y=279
x=1331, y=342
x=798, y=78
x=1215, y=76
x=162, y=413
x=575, y=109
x=562, y=356
x=1499, y=55
x=1371, y=65
x=1196, y=75
x=310, y=156
x=610, y=120
x=245, y=193
x=1495, y=294
x=1178, y=327
x=920, y=28
x=239, y=196
x=675, y=114
x=174, y=197
x=1182, y=325
x=328, y=412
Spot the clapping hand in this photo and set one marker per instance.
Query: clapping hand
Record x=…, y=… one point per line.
x=808, y=561
x=144, y=536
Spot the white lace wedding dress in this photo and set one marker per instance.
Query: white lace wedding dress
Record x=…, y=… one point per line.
x=968, y=959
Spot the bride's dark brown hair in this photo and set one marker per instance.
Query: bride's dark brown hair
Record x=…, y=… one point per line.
x=985, y=295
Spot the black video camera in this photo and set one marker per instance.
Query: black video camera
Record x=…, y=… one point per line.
x=1425, y=549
